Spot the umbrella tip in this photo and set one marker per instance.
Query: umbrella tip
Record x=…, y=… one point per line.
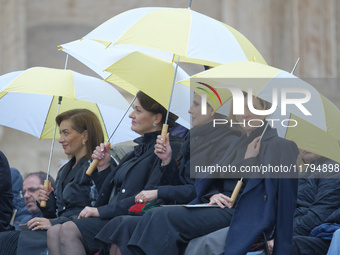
x=297, y=62
x=190, y=5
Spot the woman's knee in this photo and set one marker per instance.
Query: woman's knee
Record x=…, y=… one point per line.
x=53, y=232
x=68, y=231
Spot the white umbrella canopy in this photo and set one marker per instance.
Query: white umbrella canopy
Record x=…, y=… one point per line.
x=135, y=68
x=192, y=36
x=29, y=101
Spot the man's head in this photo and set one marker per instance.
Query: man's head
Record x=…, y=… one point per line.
x=30, y=189
x=308, y=157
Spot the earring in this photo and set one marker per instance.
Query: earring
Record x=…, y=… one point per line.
x=84, y=142
x=154, y=124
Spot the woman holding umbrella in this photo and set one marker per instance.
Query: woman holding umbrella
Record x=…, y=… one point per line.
x=80, y=133
x=203, y=145
x=137, y=171
x=170, y=229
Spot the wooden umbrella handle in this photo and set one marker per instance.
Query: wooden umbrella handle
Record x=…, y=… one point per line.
x=235, y=192
x=91, y=168
x=47, y=186
x=164, y=132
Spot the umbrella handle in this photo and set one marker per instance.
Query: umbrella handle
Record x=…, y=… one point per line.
x=47, y=186
x=235, y=192
x=164, y=132
x=92, y=167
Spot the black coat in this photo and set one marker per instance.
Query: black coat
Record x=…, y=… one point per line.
x=318, y=198
x=74, y=190
x=6, y=195
x=138, y=171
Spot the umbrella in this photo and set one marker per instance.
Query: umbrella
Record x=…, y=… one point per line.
x=320, y=125
x=189, y=35
x=34, y=94
x=31, y=99
x=134, y=68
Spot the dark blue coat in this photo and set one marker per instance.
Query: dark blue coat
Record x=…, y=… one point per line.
x=6, y=195
x=266, y=203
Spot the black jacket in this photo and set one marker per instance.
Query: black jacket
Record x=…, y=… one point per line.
x=203, y=145
x=6, y=195
x=318, y=197
x=137, y=171
x=74, y=190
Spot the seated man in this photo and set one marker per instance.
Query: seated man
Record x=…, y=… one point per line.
x=30, y=191
x=9, y=239
x=318, y=198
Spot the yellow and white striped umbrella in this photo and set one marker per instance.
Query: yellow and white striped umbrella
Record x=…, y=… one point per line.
x=135, y=68
x=318, y=132
x=192, y=36
x=29, y=101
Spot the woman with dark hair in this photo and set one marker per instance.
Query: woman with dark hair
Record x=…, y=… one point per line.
x=80, y=133
x=136, y=172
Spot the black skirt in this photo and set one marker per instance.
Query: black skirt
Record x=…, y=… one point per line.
x=89, y=228
x=167, y=230
x=117, y=231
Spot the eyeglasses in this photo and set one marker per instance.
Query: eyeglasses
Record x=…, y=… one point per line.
x=30, y=190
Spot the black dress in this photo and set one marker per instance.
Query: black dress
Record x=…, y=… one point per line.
x=176, y=185
x=138, y=171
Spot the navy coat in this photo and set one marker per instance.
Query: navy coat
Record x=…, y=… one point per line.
x=266, y=204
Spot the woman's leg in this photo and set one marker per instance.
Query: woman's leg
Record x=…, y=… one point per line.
x=71, y=240
x=114, y=250
x=53, y=240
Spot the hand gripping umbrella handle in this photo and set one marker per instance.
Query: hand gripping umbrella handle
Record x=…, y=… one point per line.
x=235, y=192
x=91, y=168
x=164, y=132
x=47, y=186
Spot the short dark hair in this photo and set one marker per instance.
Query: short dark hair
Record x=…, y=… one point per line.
x=151, y=105
x=84, y=119
x=42, y=176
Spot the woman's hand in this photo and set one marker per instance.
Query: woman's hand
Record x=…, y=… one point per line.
x=163, y=150
x=88, y=212
x=43, y=194
x=220, y=200
x=102, y=153
x=146, y=196
x=39, y=224
x=253, y=148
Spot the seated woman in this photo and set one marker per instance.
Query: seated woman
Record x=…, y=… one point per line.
x=203, y=143
x=136, y=172
x=168, y=230
x=80, y=133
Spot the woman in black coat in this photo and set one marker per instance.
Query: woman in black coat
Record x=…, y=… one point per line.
x=80, y=133
x=170, y=229
x=136, y=172
x=203, y=144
